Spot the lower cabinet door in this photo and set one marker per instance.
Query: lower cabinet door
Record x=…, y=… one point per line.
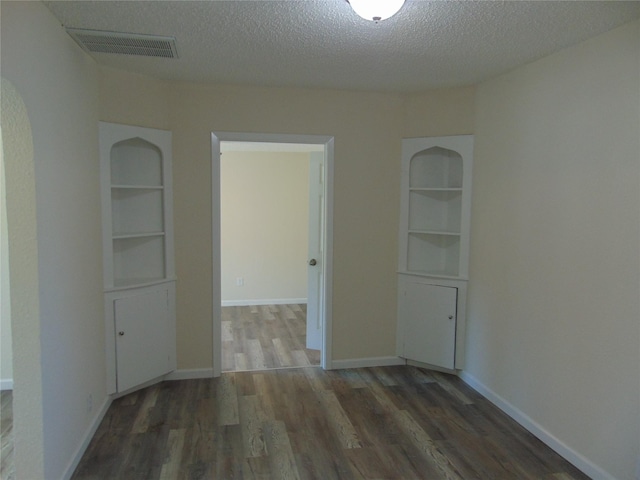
x=142, y=332
x=429, y=316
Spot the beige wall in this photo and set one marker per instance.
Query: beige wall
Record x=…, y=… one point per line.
x=133, y=99
x=57, y=304
x=368, y=129
x=367, y=144
x=446, y=111
x=554, y=299
x=264, y=226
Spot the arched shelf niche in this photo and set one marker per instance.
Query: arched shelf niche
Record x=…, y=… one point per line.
x=137, y=213
x=434, y=212
x=136, y=162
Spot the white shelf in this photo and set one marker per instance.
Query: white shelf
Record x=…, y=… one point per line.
x=433, y=253
x=434, y=226
x=127, y=283
x=427, y=189
x=125, y=236
x=438, y=276
x=139, y=257
x=135, y=210
x=137, y=187
x=435, y=210
x=136, y=192
x=433, y=232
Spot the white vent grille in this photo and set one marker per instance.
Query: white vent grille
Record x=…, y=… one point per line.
x=125, y=43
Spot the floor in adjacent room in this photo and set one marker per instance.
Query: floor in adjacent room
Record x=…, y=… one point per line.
x=260, y=337
x=396, y=422
x=6, y=435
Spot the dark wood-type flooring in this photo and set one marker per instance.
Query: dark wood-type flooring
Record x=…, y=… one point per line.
x=374, y=423
x=261, y=337
x=7, y=471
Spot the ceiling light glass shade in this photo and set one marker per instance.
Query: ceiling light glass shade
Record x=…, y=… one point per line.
x=376, y=10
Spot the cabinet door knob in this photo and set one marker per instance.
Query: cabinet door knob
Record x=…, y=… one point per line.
x=312, y=262
x=450, y=317
x=121, y=333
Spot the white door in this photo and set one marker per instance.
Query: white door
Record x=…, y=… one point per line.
x=142, y=338
x=315, y=267
x=429, y=316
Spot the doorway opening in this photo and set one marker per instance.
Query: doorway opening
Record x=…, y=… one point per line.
x=272, y=230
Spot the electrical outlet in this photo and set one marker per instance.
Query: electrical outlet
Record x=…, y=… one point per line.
x=239, y=282
x=89, y=403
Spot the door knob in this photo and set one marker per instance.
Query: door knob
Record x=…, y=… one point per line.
x=312, y=262
x=121, y=333
x=450, y=317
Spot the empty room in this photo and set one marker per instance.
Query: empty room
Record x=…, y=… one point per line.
x=454, y=189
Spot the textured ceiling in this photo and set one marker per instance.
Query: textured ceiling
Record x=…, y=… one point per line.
x=322, y=43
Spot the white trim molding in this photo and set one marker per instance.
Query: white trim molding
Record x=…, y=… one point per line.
x=578, y=460
x=86, y=439
x=367, y=362
x=325, y=143
x=190, y=374
x=6, y=384
x=267, y=301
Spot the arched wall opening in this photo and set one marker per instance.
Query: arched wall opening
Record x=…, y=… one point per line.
x=20, y=195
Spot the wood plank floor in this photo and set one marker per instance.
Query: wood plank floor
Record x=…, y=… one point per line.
x=261, y=337
x=7, y=471
x=374, y=423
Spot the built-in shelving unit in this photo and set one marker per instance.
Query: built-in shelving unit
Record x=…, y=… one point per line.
x=434, y=220
x=138, y=173
x=139, y=278
x=434, y=243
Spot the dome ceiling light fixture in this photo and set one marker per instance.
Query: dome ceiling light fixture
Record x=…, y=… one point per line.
x=376, y=10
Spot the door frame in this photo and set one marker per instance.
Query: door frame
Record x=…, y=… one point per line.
x=216, y=294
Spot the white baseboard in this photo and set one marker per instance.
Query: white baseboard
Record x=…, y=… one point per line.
x=264, y=301
x=6, y=384
x=86, y=439
x=190, y=374
x=578, y=460
x=367, y=362
x=428, y=366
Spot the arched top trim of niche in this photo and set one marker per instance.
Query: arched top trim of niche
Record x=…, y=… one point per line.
x=436, y=167
x=136, y=162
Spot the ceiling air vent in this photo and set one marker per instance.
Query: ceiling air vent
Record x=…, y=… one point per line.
x=98, y=41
